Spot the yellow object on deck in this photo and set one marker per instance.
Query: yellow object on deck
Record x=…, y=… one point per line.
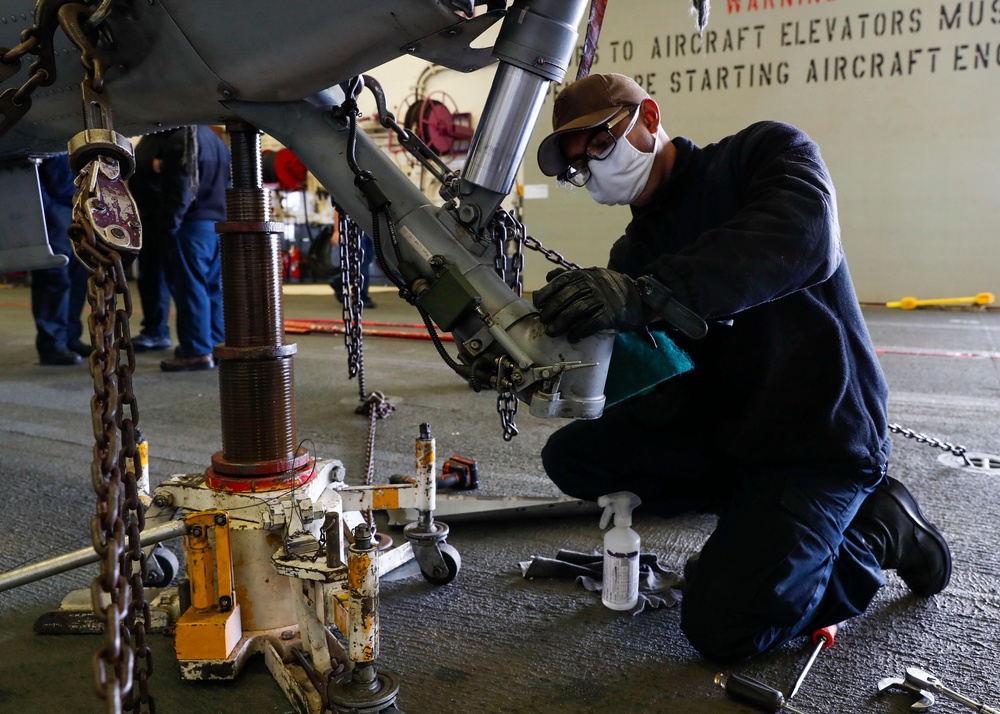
x=909, y=303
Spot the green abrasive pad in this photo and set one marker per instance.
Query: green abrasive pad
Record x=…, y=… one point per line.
x=637, y=366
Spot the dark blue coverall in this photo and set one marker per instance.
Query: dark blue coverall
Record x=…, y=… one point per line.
x=781, y=427
x=58, y=294
x=189, y=216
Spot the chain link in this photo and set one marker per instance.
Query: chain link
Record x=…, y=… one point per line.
x=374, y=405
x=955, y=449
x=353, y=305
x=117, y=593
x=36, y=40
x=506, y=399
x=509, y=239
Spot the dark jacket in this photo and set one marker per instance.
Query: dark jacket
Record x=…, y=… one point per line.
x=207, y=201
x=746, y=230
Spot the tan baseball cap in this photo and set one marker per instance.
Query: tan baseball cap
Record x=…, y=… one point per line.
x=586, y=103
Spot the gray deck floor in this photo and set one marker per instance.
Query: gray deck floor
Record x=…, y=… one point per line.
x=492, y=641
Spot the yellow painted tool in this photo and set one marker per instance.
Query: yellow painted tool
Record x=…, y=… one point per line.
x=909, y=303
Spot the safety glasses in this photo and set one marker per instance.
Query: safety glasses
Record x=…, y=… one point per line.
x=599, y=147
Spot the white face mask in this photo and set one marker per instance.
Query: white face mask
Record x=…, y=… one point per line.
x=619, y=179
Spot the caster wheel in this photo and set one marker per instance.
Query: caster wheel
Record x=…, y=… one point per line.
x=162, y=567
x=452, y=564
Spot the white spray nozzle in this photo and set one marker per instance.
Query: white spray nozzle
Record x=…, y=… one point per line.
x=621, y=504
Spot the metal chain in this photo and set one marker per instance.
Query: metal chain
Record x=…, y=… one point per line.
x=955, y=449
x=36, y=40
x=117, y=593
x=552, y=255
x=376, y=407
x=509, y=232
x=353, y=305
x=506, y=399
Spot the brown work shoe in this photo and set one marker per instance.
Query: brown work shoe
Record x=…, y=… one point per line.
x=188, y=364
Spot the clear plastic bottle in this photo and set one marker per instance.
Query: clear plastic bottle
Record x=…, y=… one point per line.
x=621, y=551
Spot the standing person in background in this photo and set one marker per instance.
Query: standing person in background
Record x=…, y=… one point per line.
x=195, y=172
x=154, y=291
x=58, y=294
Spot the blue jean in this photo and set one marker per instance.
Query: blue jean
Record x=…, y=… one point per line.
x=58, y=294
x=196, y=279
x=783, y=560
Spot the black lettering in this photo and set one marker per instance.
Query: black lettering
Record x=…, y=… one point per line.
x=913, y=59
x=960, y=65
x=655, y=54
x=950, y=23
x=915, y=24
x=879, y=24
x=973, y=20
x=627, y=50
x=864, y=20
x=811, y=73
x=840, y=69
x=877, y=59
x=814, y=26
x=784, y=33
x=933, y=52
x=675, y=81
x=645, y=81
x=759, y=29
x=858, y=73
x=722, y=79
x=846, y=33
x=712, y=35
x=783, y=73
x=982, y=55
x=897, y=22
x=897, y=66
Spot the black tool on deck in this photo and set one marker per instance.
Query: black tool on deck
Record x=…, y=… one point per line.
x=457, y=473
x=755, y=693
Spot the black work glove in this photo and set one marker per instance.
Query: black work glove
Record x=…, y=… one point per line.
x=579, y=303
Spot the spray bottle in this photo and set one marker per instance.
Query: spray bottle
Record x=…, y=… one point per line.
x=621, y=551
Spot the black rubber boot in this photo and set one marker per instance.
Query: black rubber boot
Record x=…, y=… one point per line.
x=902, y=539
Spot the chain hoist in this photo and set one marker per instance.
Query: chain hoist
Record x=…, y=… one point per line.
x=955, y=449
x=106, y=236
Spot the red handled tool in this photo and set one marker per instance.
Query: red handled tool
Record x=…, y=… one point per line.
x=823, y=638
